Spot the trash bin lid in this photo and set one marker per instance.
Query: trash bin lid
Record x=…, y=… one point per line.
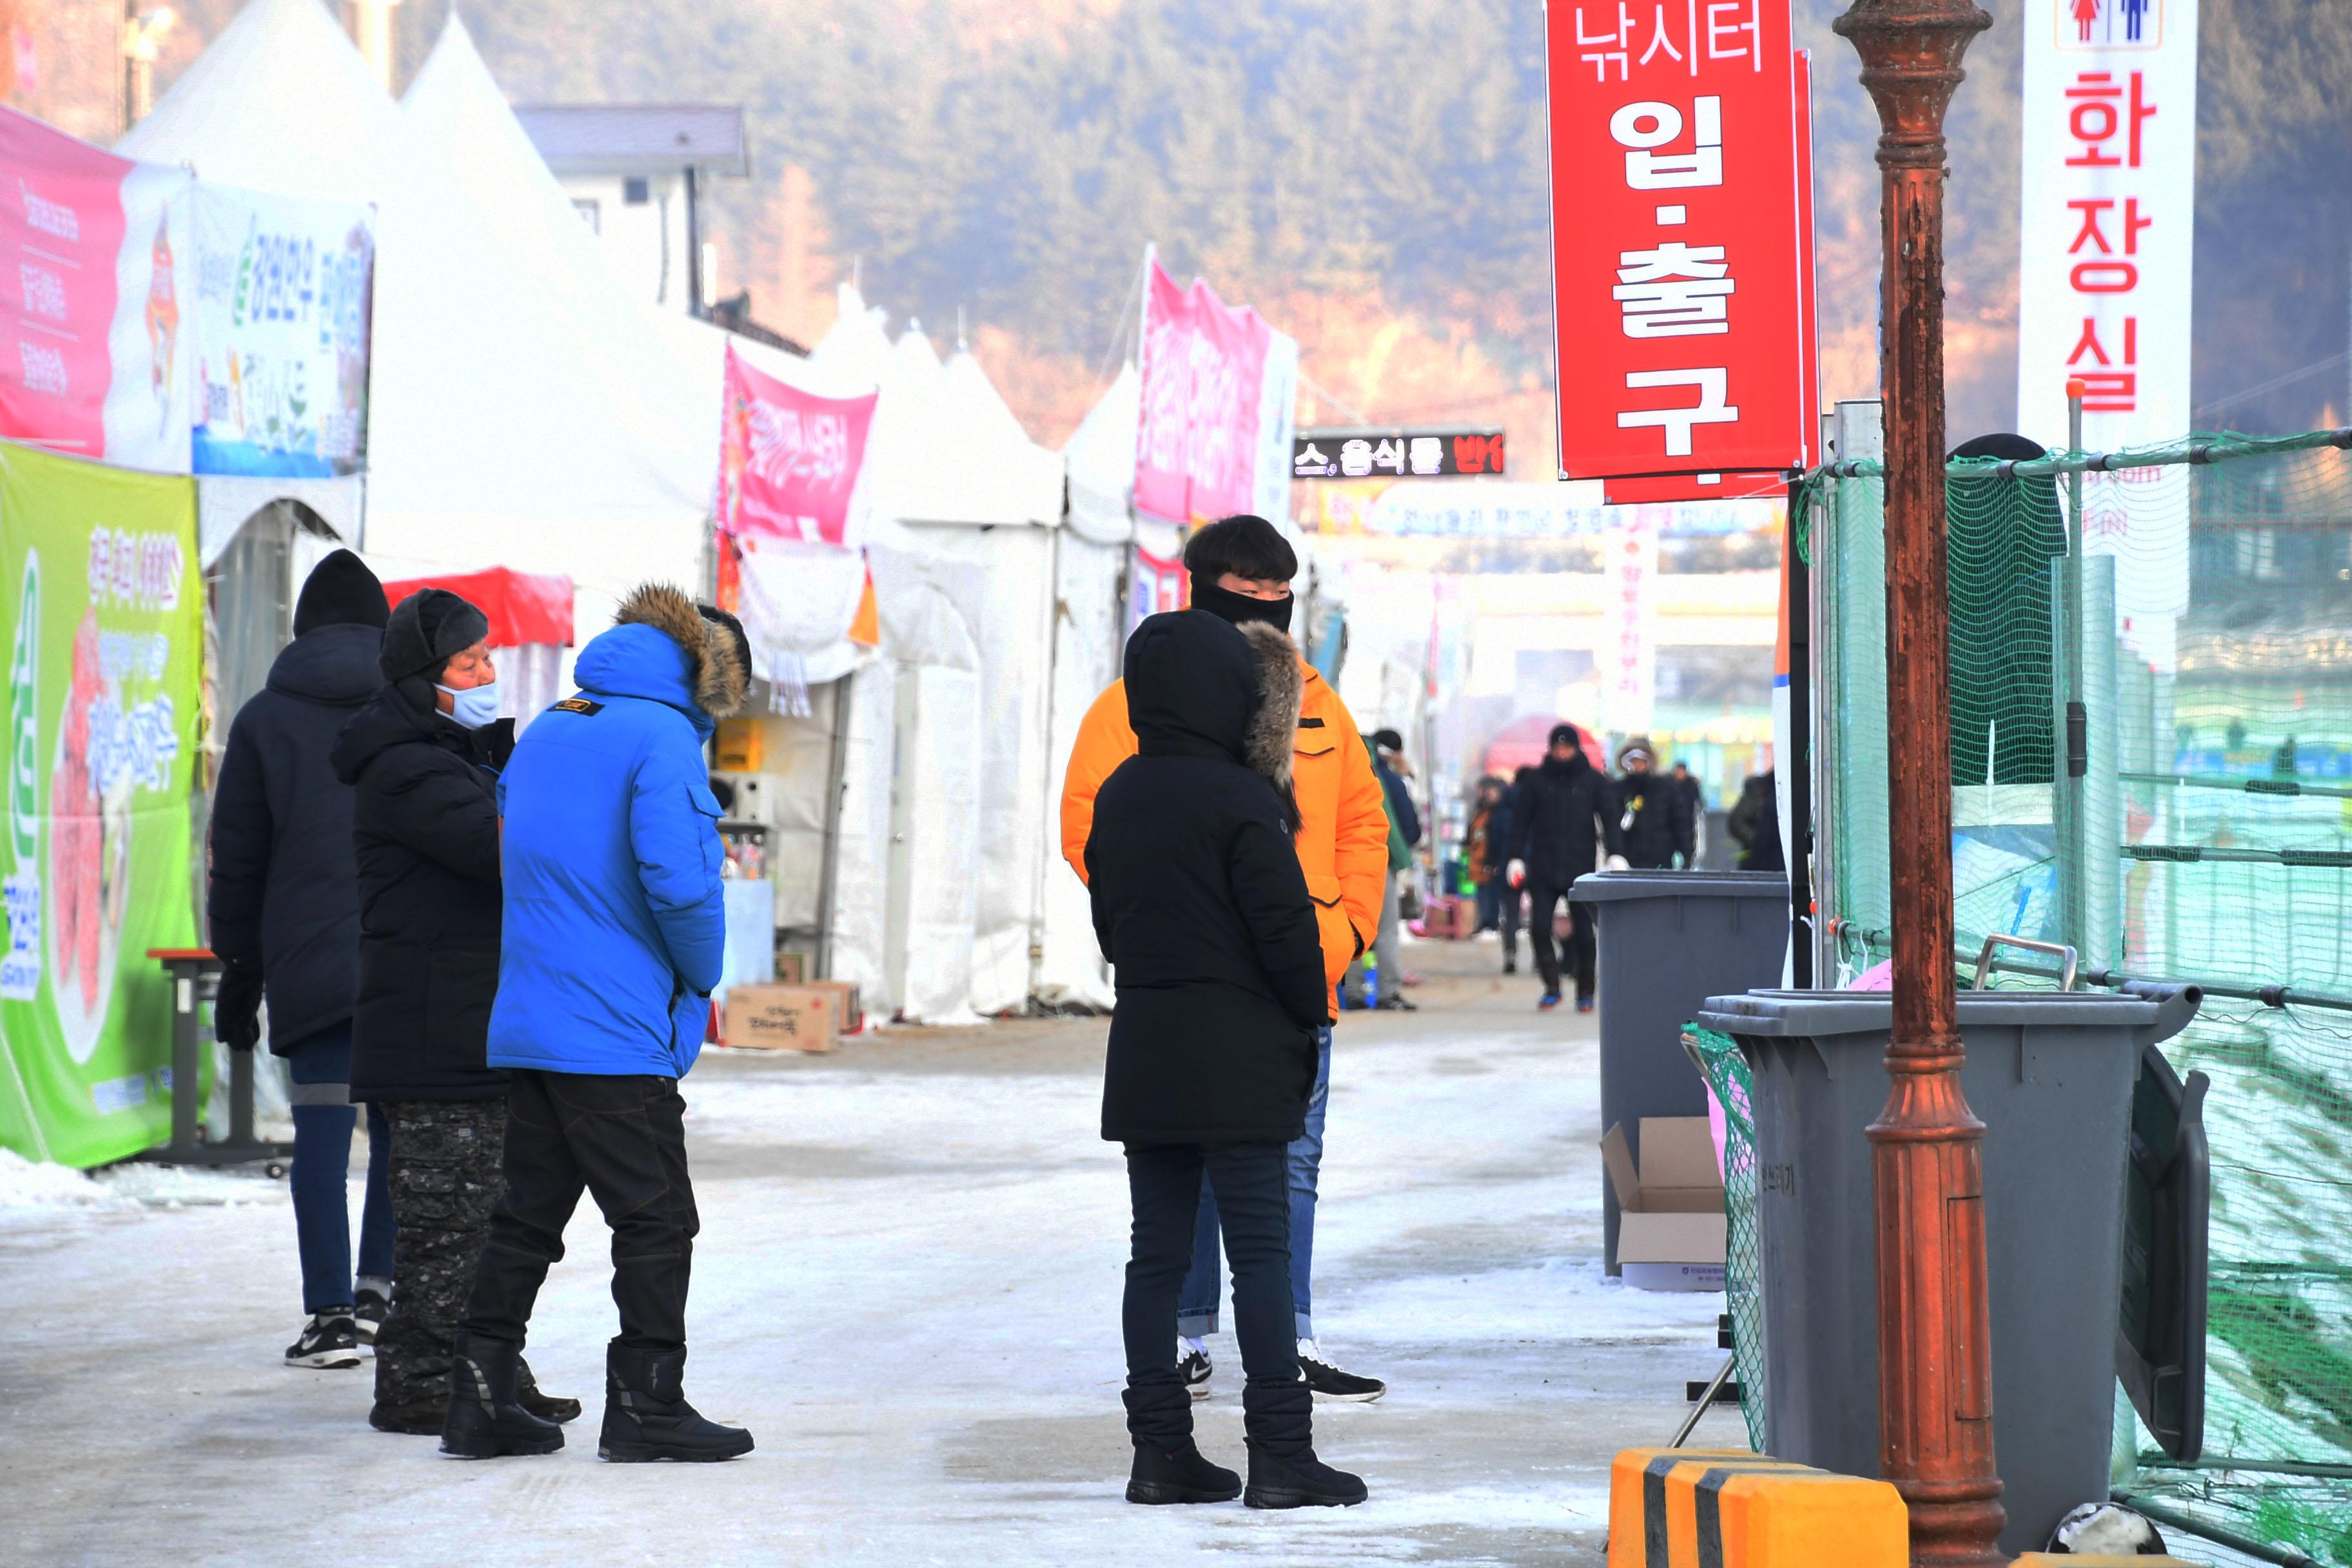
x=1818, y=1014
x=1607, y=887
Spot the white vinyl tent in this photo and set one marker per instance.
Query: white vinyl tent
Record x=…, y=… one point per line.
x=1089, y=571
x=494, y=438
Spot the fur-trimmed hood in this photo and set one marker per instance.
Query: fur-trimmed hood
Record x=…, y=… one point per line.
x=717, y=678
x=1197, y=686
x=1271, y=741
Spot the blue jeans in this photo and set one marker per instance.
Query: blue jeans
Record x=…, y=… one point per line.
x=1196, y=1304
x=320, y=1065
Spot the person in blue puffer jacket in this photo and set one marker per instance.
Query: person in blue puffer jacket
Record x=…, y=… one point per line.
x=615, y=928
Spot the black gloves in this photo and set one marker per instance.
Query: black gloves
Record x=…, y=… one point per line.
x=236, y=1006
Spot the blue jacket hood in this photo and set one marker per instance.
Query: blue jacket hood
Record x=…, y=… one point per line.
x=641, y=660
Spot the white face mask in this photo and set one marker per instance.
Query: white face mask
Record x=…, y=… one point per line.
x=474, y=707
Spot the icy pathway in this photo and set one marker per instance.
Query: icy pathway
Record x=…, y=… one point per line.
x=907, y=1286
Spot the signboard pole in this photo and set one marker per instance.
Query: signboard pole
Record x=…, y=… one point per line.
x=1934, y=1347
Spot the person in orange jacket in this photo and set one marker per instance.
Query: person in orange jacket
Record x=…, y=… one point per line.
x=1241, y=569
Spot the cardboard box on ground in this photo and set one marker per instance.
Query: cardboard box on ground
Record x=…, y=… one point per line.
x=807, y=1018
x=1670, y=1232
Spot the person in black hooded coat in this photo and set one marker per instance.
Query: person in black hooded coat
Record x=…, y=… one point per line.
x=1564, y=818
x=422, y=759
x=282, y=906
x=1201, y=908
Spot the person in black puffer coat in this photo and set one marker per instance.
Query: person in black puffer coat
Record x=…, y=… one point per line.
x=282, y=905
x=1200, y=906
x=1653, y=816
x=1564, y=817
x=422, y=759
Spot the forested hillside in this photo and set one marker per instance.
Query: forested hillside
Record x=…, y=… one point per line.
x=1370, y=174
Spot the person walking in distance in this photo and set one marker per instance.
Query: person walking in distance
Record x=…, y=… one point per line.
x=1387, y=752
x=1654, y=819
x=1479, y=846
x=420, y=758
x=282, y=904
x=615, y=930
x=1565, y=817
x=1201, y=908
x=1241, y=569
x=1511, y=893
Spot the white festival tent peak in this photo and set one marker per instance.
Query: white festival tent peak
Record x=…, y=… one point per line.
x=494, y=438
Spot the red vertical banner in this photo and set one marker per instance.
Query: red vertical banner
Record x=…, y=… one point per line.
x=788, y=459
x=1164, y=363
x=1678, y=256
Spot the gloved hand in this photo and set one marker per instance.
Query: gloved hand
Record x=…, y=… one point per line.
x=1516, y=874
x=236, y=1006
x=1619, y=863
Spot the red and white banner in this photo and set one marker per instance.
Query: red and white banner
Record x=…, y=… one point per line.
x=1154, y=586
x=1219, y=404
x=788, y=459
x=97, y=361
x=1629, y=618
x=2109, y=191
x=1681, y=238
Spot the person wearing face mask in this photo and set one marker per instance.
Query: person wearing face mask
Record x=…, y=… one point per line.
x=1241, y=569
x=421, y=759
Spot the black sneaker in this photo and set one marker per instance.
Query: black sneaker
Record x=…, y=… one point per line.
x=1398, y=1003
x=328, y=1340
x=368, y=1316
x=1194, y=1367
x=1330, y=1382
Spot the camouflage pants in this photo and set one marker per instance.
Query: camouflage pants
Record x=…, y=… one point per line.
x=448, y=1175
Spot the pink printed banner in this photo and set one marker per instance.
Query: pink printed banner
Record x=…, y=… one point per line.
x=94, y=360
x=788, y=459
x=1203, y=366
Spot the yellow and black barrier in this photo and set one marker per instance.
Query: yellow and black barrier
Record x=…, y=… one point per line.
x=1720, y=1507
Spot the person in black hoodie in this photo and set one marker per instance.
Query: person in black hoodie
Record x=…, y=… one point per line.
x=1565, y=815
x=1653, y=816
x=281, y=902
x=422, y=759
x=1200, y=906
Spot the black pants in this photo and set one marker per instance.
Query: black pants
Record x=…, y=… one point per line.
x=1507, y=913
x=622, y=1141
x=444, y=1178
x=1542, y=900
x=1254, y=1203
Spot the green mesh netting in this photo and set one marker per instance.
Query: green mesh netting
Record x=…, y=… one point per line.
x=2213, y=842
x=1727, y=1074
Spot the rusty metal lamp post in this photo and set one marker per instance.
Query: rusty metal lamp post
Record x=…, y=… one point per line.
x=1935, y=1343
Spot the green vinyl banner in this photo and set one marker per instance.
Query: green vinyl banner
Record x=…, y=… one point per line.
x=103, y=618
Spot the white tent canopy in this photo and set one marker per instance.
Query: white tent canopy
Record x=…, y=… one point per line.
x=1102, y=457
x=494, y=438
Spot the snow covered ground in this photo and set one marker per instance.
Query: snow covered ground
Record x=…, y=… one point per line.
x=908, y=1286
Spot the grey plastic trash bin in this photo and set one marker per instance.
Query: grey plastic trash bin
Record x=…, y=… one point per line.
x=1668, y=941
x=2051, y=1077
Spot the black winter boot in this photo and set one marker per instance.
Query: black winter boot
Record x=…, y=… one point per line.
x=546, y=1406
x=485, y=1420
x=1179, y=1475
x=1283, y=1469
x=646, y=1416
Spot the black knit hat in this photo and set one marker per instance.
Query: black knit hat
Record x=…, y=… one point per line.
x=1567, y=732
x=427, y=630
x=341, y=592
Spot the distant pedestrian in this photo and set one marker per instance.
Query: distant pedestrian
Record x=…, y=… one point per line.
x=1755, y=826
x=1387, y=751
x=1201, y=908
x=421, y=757
x=283, y=906
x=1511, y=892
x=1654, y=820
x=615, y=928
x=1481, y=847
x=1562, y=824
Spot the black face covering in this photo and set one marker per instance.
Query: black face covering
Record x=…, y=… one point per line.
x=1226, y=605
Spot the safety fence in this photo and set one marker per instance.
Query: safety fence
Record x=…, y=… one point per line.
x=2151, y=711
